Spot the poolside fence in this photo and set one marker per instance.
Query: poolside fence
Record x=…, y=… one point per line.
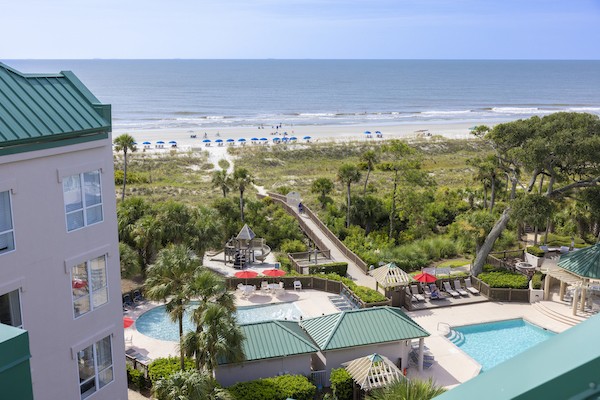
x=501, y=294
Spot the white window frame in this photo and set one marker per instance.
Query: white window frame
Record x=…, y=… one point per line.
x=91, y=292
x=84, y=207
x=96, y=375
x=12, y=222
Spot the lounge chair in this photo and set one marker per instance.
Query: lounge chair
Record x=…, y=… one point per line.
x=459, y=289
x=469, y=287
x=451, y=291
x=435, y=292
x=415, y=292
x=426, y=291
x=264, y=287
x=128, y=302
x=137, y=296
x=297, y=285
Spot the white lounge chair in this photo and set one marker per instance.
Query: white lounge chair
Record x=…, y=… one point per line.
x=264, y=287
x=459, y=289
x=415, y=292
x=297, y=285
x=451, y=291
x=469, y=287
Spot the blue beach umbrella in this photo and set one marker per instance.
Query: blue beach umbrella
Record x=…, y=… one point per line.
x=172, y=142
x=293, y=138
x=254, y=139
x=206, y=141
x=367, y=132
x=241, y=140
x=230, y=140
x=276, y=139
x=160, y=142
x=218, y=141
x=284, y=139
x=263, y=139
x=377, y=132
x=306, y=138
x=146, y=143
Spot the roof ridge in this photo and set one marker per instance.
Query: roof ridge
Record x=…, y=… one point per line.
x=310, y=343
x=399, y=312
x=335, y=327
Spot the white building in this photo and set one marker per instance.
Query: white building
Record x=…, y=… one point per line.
x=59, y=261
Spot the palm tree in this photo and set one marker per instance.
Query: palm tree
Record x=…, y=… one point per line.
x=405, y=389
x=146, y=235
x=125, y=143
x=348, y=174
x=322, y=187
x=222, y=180
x=169, y=280
x=242, y=178
x=368, y=160
x=189, y=385
x=216, y=334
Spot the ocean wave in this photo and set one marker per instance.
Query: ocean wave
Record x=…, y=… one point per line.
x=521, y=110
x=585, y=109
x=444, y=112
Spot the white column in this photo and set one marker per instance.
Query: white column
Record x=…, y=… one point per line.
x=575, y=301
x=547, y=287
x=421, y=353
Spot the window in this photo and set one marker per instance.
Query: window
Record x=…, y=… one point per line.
x=89, y=285
x=83, y=206
x=10, y=309
x=7, y=237
x=95, y=367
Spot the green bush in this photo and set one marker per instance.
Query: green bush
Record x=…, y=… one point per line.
x=341, y=384
x=292, y=246
x=165, y=367
x=132, y=177
x=504, y=279
x=366, y=294
x=536, y=281
x=276, y=388
x=536, y=251
x=136, y=377
x=339, y=268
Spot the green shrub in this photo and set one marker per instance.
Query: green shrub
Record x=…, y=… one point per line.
x=536, y=281
x=339, y=268
x=132, y=177
x=136, y=377
x=504, y=279
x=536, y=251
x=276, y=388
x=292, y=246
x=341, y=384
x=366, y=294
x=165, y=367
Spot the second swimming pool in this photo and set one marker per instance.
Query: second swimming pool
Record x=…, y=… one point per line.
x=157, y=324
x=492, y=343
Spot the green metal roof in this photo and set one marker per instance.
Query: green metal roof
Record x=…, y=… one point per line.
x=272, y=339
x=562, y=367
x=584, y=262
x=362, y=327
x=43, y=108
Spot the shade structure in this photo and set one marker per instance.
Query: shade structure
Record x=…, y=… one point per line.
x=241, y=140
x=374, y=371
x=254, y=139
x=274, y=272
x=390, y=275
x=306, y=138
x=584, y=263
x=160, y=142
x=172, y=142
x=146, y=143
x=127, y=322
x=378, y=132
x=230, y=140
x=263, y=139
x=367, y=132
x=293, y=138
x=276, y=139
x=246, y=274
x=424, y=277
x=218, y=141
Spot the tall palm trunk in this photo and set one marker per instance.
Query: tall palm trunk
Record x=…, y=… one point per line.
x=181, y=355
x=124, y=173
x=348, y=207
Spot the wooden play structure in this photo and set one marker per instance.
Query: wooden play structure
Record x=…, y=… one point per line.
x=245, y=248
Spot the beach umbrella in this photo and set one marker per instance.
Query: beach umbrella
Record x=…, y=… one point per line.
x=424, y=277
x=230, y=140
x=306, y=138
x=246, y=275
x=160, y=142
x=146, y=143
x=206, y=141
x=241, y=140
x=263, y=139
x=254, y=139
x=293, y=138
x=274, y=272
x=284, y=139
x=219, y=141
x=276, y=139
x=172, y=142
x=127, y=322
x=367, y=132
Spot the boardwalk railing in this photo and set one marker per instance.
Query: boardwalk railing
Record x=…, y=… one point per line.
x=349, y=254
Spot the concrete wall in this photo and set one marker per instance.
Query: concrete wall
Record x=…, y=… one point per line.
x=40, y=266
x=230, y=374
x=393, y=351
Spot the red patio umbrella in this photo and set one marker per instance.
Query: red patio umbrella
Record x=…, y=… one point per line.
x=274, y=272
x=246, y=275
x=127, y=322
x=424, y=277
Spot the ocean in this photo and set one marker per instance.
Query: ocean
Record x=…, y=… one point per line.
x=153, y=94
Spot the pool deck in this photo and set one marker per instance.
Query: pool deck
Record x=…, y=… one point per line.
x=453, y=366
x=312, y=303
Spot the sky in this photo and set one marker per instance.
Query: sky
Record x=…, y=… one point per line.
x=297, y=29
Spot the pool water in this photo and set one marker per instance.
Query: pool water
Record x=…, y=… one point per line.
x=157, y=324
x=492, y=343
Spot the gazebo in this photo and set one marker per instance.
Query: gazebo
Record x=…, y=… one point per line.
x=390, y=275
x=372, y=372
x=583, y=264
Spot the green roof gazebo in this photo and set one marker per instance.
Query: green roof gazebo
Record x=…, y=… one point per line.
x=585, y=264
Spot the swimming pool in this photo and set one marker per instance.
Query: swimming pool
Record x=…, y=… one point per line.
x=157, y=324
x=492, y=343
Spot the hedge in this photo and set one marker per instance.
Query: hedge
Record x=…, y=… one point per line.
x=504, y=279
x=339, y=268
x=136, y=377
x=536, y=281
x=341, y=384
x=277, y=388
x=364, y=293
x=165, y=367
x=536, y=251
